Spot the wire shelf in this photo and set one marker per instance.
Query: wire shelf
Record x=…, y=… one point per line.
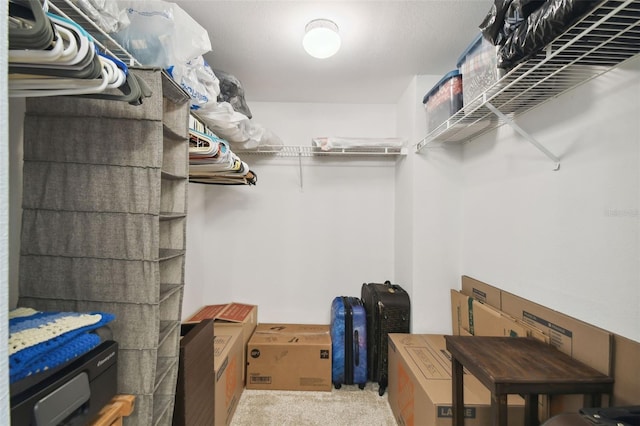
x=312, y=151
x=67, y=9
x=602, y=40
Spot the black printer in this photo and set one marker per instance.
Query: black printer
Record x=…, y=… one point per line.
x=70, y=394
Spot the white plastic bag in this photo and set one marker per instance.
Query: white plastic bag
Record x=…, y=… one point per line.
x=161, y=34
x=197, y=79
x=224, y=121
x=259, y=136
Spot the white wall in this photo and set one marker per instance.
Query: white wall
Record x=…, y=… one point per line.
x=289, y=244
x=429, y=202
x=404, y=195
x=568, y=239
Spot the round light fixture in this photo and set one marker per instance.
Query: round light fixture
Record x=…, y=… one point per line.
x=321, y=39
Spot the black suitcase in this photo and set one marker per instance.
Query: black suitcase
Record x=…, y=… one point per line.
x=613, y=416
x=388, y=310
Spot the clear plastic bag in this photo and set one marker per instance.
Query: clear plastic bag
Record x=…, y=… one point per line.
x=161, y=34
x=105, y=13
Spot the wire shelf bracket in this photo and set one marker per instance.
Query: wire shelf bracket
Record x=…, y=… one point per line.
x=511, y=123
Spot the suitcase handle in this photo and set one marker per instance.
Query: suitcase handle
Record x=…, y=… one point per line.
x=356, y=348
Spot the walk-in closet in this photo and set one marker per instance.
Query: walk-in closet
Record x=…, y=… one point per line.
x=335, y=174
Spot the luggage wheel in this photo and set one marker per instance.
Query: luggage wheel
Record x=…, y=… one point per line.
x=381, y=390
x=361, y=386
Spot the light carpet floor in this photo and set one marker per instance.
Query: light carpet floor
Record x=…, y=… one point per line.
x=347, y=406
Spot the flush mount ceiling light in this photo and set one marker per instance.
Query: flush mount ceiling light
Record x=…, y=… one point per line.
x=321, y=39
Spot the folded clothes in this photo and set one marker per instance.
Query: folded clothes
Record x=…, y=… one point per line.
x=42, y=340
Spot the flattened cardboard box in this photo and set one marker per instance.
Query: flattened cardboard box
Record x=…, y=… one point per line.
x=420, y=385
x=480, y=319
x=289, y=357
x=228, y=372
x=481, y=291
x=626, y=385
x=582, y=341
x=195, y=388
x=234, y=313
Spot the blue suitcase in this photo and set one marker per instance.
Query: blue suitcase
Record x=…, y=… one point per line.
x=348, y=342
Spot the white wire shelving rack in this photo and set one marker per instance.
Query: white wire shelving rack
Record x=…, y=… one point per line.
x=107, y=43
x=599, y=42
x=313, y=151
x=317, y=153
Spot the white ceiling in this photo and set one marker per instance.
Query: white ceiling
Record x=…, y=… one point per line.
x=384, y=44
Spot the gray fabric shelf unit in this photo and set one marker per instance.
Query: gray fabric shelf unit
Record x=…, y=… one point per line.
x=104, y=221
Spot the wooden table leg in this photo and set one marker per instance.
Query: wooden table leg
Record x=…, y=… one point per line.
x=592, y=400
x=457, y=386
x=499, y=410
x=531, y=410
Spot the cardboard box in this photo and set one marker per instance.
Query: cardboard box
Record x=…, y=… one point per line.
x=626, y=372
x=289, y=357
x=582, y=341
x=196, y=378
x=231, y=315
x=227, y=368
x=420, y=390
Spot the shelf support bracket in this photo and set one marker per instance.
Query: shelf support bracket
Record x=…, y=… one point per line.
x=300, y=167
x=524, y=134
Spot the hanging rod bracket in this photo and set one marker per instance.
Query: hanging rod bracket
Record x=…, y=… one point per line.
x=524, y=134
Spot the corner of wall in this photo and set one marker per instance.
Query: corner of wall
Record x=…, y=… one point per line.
x=428, y=211
x=4, y=226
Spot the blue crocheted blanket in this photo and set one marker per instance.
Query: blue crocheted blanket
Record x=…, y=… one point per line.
x=39, y=341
